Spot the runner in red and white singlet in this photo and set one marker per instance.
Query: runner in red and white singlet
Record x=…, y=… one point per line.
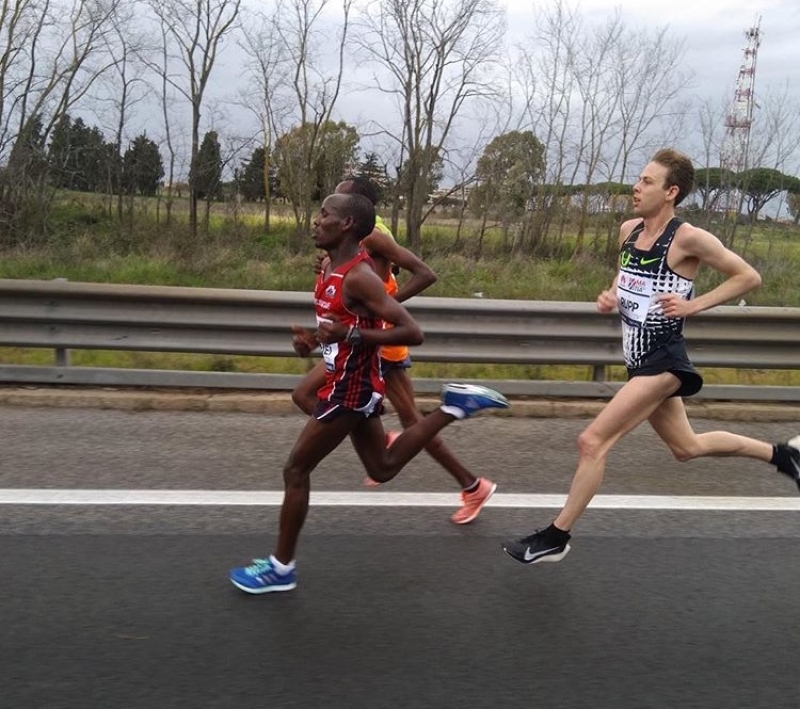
x=352, y=371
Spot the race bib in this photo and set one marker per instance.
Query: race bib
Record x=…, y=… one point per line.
x=634, y=294
x=329, y=353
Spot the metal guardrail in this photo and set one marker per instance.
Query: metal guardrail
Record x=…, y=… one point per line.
x=61, y=315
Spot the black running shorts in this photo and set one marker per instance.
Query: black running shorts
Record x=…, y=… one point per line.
x=671, y=357
x=327, y=411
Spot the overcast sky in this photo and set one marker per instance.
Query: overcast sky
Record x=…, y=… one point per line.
x=714, y=34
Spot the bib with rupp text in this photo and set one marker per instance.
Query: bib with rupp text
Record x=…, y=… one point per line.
x=634, y=295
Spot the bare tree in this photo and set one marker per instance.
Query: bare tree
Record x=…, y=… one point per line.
x=20, y=23
x=437, y=54
x=596, y=96
x=161, y=68
x=568, y=80
x=127, y=86
x=269, y=70
x=546, y=80
x=594, y=69
x=773, y=145
x=313, y=53
x=55, y=54
x=650, y=83
x=198, y=29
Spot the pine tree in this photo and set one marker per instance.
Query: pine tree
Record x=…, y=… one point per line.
x=142, y=167
x=251, y=176
x=206, y=174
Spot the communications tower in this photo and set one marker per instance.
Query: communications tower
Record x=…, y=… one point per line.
x=740, y=117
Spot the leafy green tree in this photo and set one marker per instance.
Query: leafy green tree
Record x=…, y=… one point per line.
x=250, y=178
x=371, y=169
x=24, y=201
x=425, y=182
x=710, y=183
x=309, y=161
x=508, y=176
x=338, y=149
x=508, y=173
x=759, y=185
x=142, y=167
x=93, y=161
x=58, y=153
x=112, y=166
x=78, y=156
x=28, y=160
x=793, y=201
x=205, y=176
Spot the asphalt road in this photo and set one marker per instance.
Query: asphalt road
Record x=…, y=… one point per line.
x=128, y=606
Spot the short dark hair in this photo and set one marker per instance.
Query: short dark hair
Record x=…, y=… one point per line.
x=680, y=171
x=363, y=186
x=361, y=210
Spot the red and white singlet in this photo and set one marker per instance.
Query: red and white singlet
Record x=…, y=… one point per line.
x=352, y=373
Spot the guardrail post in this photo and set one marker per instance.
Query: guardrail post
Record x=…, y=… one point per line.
x=62, y=357
x=62, y=354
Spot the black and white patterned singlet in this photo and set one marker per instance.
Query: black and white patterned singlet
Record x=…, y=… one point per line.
x=643, y=276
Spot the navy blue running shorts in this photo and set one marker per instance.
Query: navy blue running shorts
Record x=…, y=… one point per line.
x=387, y=365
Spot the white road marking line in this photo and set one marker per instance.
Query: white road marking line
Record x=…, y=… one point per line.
x=268, y=498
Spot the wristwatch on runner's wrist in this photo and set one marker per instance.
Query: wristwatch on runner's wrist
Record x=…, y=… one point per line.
x=353, y=336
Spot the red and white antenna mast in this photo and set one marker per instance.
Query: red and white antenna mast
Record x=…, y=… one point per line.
x=740, y=117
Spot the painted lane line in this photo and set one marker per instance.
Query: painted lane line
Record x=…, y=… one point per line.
x=269, y=498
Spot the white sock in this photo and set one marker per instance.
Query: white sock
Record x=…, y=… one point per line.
x=454, y=411
x=282, y=569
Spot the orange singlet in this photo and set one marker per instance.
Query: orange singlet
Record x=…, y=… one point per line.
x=392, y=353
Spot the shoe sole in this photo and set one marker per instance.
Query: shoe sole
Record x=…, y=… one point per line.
x=478, y=509
x=266, y=589
x=541, y=559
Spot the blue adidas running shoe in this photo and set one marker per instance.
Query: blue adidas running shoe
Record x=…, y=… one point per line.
x=261, y=577
x=463, y=400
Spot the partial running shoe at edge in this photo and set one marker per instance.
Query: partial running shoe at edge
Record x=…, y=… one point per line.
x=467, y=399
x=472, y=502
x=391, y=437
x=262, y=577
x=793, y=472
x=535, y=549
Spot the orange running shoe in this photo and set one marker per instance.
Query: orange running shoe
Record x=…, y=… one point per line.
x=472, y=502
x=391, y=437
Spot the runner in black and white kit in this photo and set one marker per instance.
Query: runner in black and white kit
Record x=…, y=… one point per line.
x=653, y=292
x=651, y=341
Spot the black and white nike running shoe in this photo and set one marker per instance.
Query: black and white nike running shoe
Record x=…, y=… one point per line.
x=537, y=547
x=790, y=459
